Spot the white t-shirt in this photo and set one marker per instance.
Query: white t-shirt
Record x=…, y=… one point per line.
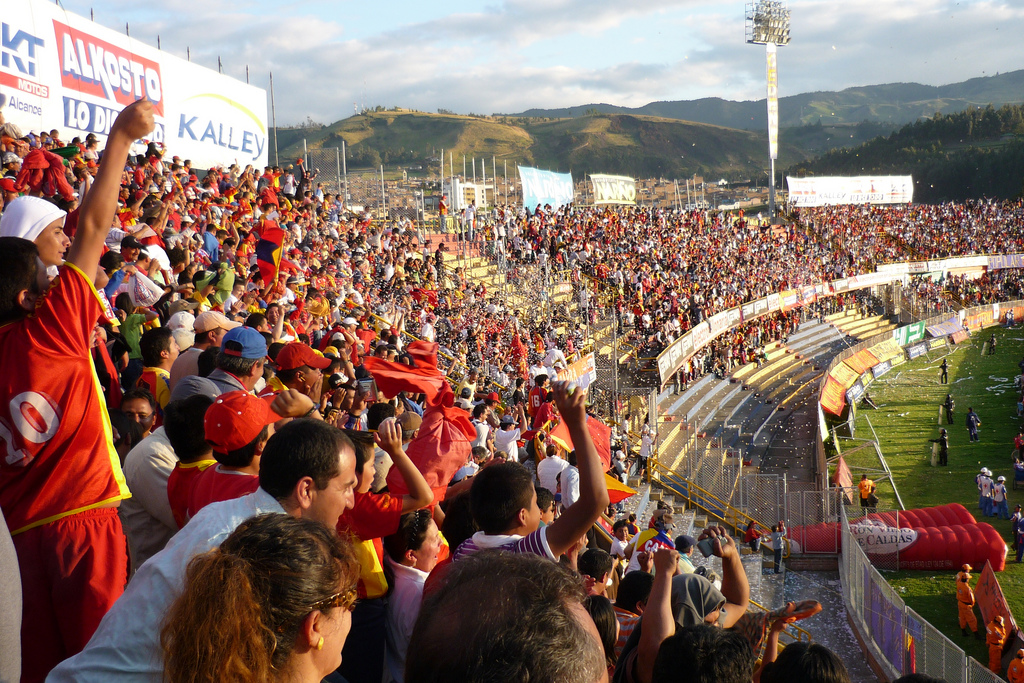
x=506, y=441
x=548, y=470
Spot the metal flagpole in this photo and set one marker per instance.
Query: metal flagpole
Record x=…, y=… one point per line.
x=383, y=198
x=344, y=170
x=273, y=115
x=337, y=161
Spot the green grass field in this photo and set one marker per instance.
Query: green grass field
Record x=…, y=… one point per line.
x=908, y=400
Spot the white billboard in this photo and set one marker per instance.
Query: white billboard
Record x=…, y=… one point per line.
x=61, y=71
x=857, y=190
x=613, y=189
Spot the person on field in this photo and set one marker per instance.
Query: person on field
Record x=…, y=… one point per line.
x=973, y=422
x=943, y=442
x=995, y=638
x=965, y=602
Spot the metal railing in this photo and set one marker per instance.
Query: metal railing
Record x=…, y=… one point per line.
x=898, y=639
x=710, y=504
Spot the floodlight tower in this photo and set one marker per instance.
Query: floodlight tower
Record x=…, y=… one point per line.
x=768, y=24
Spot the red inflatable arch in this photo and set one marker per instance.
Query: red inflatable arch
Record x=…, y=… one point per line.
x=943, y=537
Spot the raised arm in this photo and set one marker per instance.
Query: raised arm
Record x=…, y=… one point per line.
x=658, y=622
x=578, y=519
x=389, y=438
x=99, y=206
x=735, y=587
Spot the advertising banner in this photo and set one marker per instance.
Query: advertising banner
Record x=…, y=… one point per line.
x=828, y=191
x=854, y=393
x=1006, y=261
x=718, y=323
x=978, y=320
x=882, y=368
x=887, y=350
x=583, y=372
x=991, y=600
x=862, y=361
x=701, y=335
x=789, y=299
x=960, y=336
x=845, y=375
x=61, y=71
x=908, y=334
x=545, y=187
x=945, y=328
x=916, y=350
x=833, y=396
x=613, y=189
x=937, y=343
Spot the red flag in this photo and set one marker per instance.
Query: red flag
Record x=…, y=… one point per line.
x=443, y=443
x=599, y=432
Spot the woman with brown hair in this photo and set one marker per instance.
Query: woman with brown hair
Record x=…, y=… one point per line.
x=272, y=603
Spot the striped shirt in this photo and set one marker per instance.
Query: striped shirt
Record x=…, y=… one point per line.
x=535, y=543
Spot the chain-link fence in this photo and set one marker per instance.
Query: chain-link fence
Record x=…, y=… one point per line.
x=326, y=164
x=899, y=640
x=761, y=496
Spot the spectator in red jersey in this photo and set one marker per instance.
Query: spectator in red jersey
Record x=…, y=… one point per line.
x=60, y=478
x=238, y=426
x=537, y=395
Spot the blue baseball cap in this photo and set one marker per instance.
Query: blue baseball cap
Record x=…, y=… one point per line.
x=244, y=342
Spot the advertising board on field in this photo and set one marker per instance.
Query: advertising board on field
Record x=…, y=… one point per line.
x=61, y=71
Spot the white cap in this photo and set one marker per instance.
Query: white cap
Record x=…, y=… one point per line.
x=1001, y=478
x=182, y=320
x=26, y=217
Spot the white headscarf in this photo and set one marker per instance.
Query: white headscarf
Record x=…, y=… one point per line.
x=26, y=217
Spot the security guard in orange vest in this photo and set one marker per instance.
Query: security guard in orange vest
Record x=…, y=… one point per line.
x=995, y=638
x=965, y=601
x=1015, y=672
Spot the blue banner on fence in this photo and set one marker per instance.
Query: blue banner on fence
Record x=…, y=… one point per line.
x=545, y=187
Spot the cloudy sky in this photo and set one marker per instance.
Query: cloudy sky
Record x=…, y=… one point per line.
x=329, y=56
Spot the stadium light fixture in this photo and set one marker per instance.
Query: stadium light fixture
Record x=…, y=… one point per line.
x=767, y=23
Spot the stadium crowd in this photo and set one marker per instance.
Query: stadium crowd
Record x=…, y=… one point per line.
x=224, y=459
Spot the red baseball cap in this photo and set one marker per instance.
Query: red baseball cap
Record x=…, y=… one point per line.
x=493, y=397
x=8, y=185
x=296, y=354
x=236, y=418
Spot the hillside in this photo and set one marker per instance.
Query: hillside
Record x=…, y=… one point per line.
x=969, y=154
x=641, y=146
x=892, y=103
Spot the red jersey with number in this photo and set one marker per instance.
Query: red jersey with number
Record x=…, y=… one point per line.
x=179, y=486
x=215, y=484
x=57, y=455
x=537, y=396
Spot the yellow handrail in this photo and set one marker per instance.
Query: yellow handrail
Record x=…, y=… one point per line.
x=731, y=516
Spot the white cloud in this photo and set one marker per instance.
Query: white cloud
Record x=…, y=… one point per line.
x=520, y=54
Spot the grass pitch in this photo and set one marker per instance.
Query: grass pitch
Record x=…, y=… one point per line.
x=908, y=400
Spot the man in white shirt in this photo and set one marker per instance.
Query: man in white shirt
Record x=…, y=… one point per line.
x=548, y=470
x=126, y=646
x=509, y=433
